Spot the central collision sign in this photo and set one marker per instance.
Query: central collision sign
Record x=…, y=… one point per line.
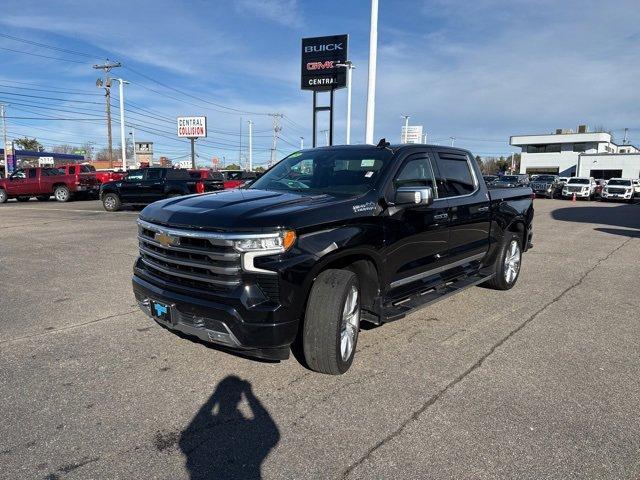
x=320, y=55
x=192, y=127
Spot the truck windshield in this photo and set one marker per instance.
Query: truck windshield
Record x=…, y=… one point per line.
x=508, y=178
x=545, y=178
x=624, y=183
x=338, y=171
x=579, y=181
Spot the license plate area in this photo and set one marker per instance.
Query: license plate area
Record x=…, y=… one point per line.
x=161, y=312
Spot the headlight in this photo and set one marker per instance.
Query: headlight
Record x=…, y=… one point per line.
x=280, y=242
x=260, y=246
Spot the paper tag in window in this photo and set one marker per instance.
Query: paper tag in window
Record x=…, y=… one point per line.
x=368, y=174
x=367, y=163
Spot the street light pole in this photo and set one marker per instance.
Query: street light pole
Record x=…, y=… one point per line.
x=453, y=139
x=371, y=82
x=301, y=143
x=4, y=141
x=403, y=138
x=250, y=146
x=349, y=66
x=122, y=136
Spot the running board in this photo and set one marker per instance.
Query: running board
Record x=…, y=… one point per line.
x=398, y=309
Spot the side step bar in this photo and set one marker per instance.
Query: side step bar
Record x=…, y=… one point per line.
x=398, y=309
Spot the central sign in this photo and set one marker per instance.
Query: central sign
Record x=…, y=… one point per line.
x=320, y=57
x=192, y=127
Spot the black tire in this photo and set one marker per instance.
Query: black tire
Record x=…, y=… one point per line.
x=323, y=323
x=500, y=280
x=62, y=193
x=3, y=196
x=111, y=202
x=23, y=199
x=43, y=198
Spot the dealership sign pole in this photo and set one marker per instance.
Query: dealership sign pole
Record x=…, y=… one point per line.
x=192, y=128
x=321, y=57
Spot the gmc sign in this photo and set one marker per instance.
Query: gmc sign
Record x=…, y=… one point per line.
x=320, y=55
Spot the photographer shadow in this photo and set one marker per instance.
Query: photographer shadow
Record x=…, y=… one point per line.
x=220, y=442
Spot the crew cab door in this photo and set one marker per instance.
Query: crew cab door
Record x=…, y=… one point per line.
x=417, y=236
x=131, y=187
x=32, y=185
x=153, y=185
x=468, y=205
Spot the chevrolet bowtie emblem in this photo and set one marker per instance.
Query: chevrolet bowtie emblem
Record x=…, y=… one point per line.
x=166, y=240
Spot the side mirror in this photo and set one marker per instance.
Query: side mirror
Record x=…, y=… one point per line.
x=413, y=196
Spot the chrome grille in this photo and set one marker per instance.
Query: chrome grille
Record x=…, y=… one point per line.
x=574, y=189
x=189, y=259
x=616, y=190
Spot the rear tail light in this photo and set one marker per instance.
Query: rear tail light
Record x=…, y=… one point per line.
x=199, y=187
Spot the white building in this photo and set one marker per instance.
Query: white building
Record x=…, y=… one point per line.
x=585, y=153
x=184, y=164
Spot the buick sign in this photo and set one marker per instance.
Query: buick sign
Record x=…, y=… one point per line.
x=320, y=56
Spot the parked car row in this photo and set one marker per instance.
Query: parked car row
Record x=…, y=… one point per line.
x=140, y=187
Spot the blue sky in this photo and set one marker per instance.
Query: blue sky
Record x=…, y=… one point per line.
x=479, y=71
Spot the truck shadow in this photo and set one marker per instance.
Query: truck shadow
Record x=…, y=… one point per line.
x=626, y=218
x=220, y=442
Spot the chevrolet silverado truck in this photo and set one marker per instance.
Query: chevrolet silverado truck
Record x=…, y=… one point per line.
x=325, y=239
x=42, y=182
x=147, y=185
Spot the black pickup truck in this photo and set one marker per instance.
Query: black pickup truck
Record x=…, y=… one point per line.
x=325, y=239
x=147, y=185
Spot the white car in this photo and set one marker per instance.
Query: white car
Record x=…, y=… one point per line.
x=636, y=186
x=619, y=189
x=582, y=187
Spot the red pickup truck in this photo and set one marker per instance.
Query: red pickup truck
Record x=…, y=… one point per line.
x=43, y=182
x=237, y=178
x=104, y=176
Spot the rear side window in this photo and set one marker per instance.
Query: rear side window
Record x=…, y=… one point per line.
x=72, y=170
x=153, y=174
x=32, y=173
x=454, y=177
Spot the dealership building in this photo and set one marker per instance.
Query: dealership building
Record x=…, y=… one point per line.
x=586, y=154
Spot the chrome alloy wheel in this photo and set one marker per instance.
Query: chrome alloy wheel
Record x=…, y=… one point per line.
x=61, y=194
x=109, y=203
x=512, y=261
x=350, y=323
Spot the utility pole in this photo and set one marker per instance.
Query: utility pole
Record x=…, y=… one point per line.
x=349, y=66
x=4, y=140
x=133, y=140
x=371, y=82
x=276, y=129
x=403, y=137
x=106, y=67
x=250, y=146
x=123, y=140
x=626, y=133
x=453, y=139
x=301, y=143
x=424, y=138
x=513, y=165
x=240, y=147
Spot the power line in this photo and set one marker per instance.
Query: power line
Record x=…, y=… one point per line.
x=50, y=98
x=40, y=55
x=44, y=45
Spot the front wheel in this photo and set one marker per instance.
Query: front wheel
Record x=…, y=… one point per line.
x=111, y=202
x=332, y=322
x=23, y=199
x=3, y=196
x=507, y=265
x=62, y=194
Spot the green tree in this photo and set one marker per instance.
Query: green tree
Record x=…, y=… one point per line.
x=260, y=169
x=29, y=144
x=232, y=166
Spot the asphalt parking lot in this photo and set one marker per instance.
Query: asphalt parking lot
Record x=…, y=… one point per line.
x=541, y=381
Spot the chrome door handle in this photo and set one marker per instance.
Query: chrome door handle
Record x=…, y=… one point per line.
x=483, y=209
x=441, y=216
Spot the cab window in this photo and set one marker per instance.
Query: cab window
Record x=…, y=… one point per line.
x=153, y=174
x=18, y=174
x=454, y=177
x=416, y=172
x=134, y=176
x=32, y=173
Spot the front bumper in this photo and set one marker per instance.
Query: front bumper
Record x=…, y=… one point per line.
x=617, y=196
x=221, y=323
x=566, y=194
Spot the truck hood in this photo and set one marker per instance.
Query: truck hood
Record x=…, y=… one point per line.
x=249, y=209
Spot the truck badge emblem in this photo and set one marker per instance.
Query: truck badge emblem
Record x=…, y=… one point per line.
x=166, y=240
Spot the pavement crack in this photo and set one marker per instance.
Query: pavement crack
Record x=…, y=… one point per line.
x=433, y=399
x=68, y=327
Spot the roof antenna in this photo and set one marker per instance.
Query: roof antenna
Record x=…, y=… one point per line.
x=383, y=143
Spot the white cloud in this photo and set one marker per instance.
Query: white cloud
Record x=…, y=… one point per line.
x=283, y=12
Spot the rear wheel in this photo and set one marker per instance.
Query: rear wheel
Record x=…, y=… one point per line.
x=332, y=322
x=3, y=196
x=111, y=202
x=43, y=198
x=62, y=193
x=507, y=265
x=23, y=199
